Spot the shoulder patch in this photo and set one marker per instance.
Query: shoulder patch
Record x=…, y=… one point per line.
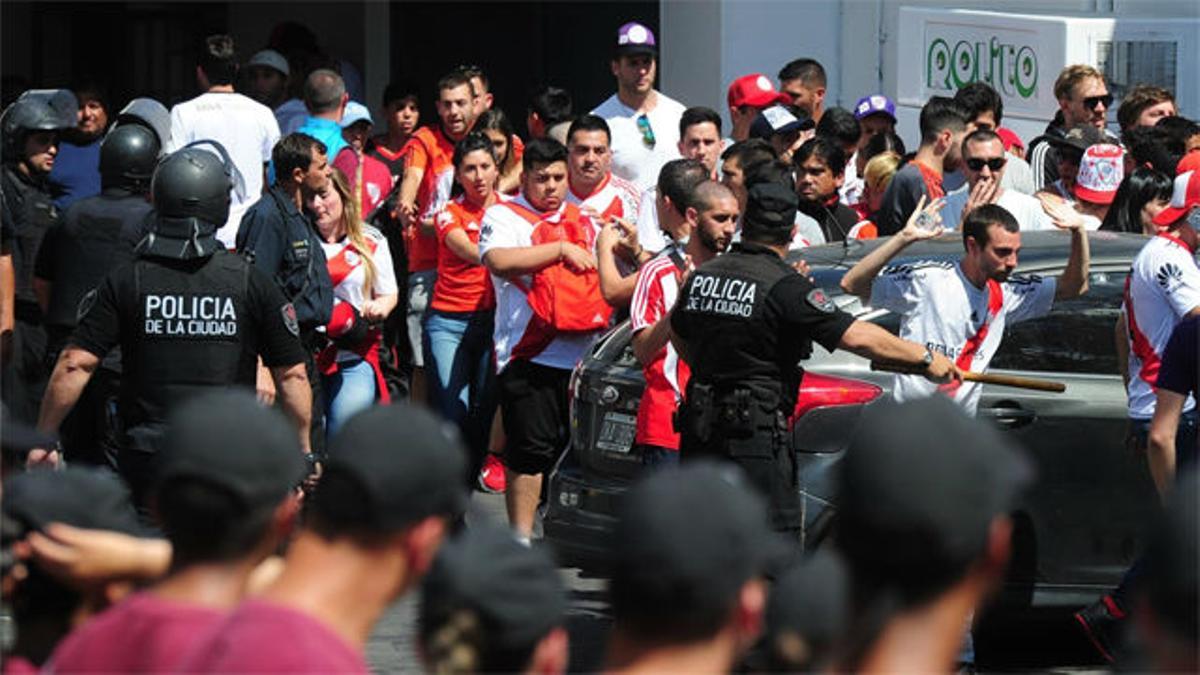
x=820, y=301
x=1168, y=275
x=85, y=304
x=289, y=319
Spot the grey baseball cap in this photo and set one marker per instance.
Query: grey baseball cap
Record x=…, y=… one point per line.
x=270, y=59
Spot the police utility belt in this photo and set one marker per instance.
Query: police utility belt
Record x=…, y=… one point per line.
x=730, y=411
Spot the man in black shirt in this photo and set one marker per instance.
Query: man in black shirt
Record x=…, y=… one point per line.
x=820, y=169
x=95, y=236
x=743, y=322
x=188, y=315
x=30, y=145
x=276, y=237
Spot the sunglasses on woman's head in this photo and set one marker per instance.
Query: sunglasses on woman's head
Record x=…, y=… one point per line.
x=643, y=125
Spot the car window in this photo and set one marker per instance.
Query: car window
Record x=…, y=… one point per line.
x=1075, y=337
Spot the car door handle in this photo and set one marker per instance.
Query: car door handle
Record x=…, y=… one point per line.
x=1010, y=416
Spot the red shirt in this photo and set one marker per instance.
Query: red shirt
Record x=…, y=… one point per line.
x=933, y=182
x=667, y=375
x=143, y=634
x=376, y=179
x=263, y=637
x=431, y=151
x=461, y=286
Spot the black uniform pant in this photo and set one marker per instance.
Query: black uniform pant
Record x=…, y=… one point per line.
x=24, y=380
x=766, y=457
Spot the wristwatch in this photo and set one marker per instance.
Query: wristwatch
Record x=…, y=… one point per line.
x=927, y=360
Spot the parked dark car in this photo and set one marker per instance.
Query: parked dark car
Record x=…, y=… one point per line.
x=1077, y=529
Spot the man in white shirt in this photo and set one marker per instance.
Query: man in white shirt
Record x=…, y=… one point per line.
x=246, y=128
x=643, y=121
x=699, y=139
x=984, y=164
x=534, y=363
x=960, y=308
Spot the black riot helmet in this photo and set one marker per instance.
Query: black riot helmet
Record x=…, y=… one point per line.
x=36, y=110
x=190, y=192
x=128, y=155
x=150, y=114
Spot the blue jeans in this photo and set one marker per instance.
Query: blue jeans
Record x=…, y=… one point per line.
x=348, y=391
x=461, y=373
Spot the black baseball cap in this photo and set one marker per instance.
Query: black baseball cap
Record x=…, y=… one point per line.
x=779, y=119
x=514, y=590
x=1173, y=559
x=688, y=539
x=89, y=498
x=809, y=605
x=228, y=439
x=920, y=485
x=770, y=206
x=1079, y=137
x=404, y=464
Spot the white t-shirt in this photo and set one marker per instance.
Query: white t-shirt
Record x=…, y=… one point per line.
x=502, y=227
x=348, y=273
x=1164, y=286
x=852, y=184
x=650, y=235
x=248, y=131
x=943, y=310
x=808, y=233
x=1027, y=210
x=632, y=158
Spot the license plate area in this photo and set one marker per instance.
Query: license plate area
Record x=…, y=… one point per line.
x=617, y=431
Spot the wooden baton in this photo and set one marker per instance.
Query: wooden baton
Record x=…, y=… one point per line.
x=986, y=378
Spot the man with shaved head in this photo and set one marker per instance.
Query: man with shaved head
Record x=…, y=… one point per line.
x=710, y=212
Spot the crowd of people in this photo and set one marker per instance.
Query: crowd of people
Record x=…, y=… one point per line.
x=257, y=357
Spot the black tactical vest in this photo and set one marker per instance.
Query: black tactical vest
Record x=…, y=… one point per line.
x=190, y=331
x=732, y=338
x=32, y=212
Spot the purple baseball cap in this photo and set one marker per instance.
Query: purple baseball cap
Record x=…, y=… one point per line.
x=875, y=103
x=635, y=38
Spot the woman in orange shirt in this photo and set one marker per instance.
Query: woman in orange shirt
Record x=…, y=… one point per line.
x=458, y=325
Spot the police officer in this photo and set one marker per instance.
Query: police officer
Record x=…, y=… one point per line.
x=743, y=322
x=188, y=316
x=29, y=128
x=278, y=238
x=93, y=237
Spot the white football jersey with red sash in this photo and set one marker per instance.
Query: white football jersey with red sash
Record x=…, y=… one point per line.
x=944, y=311
x=511, y=225
x=347, y=272
x=615, y=196
x=1163, y=286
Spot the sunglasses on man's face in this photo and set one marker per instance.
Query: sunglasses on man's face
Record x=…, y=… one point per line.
x=643, y=125
x=1092, y=101
x=995, y=163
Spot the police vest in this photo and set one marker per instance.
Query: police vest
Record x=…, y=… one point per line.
x=191, y=332
x=733, y=340
x=31, y=212
x=95, y=236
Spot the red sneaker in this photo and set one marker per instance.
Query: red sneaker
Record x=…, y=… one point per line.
x=491, y=476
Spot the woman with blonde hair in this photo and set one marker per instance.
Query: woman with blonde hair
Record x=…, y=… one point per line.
x=364, y=292
x=876, y=177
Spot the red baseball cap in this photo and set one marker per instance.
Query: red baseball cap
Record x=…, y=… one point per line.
x=1186, y=194
x=754, y=90
x=1009, y=138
